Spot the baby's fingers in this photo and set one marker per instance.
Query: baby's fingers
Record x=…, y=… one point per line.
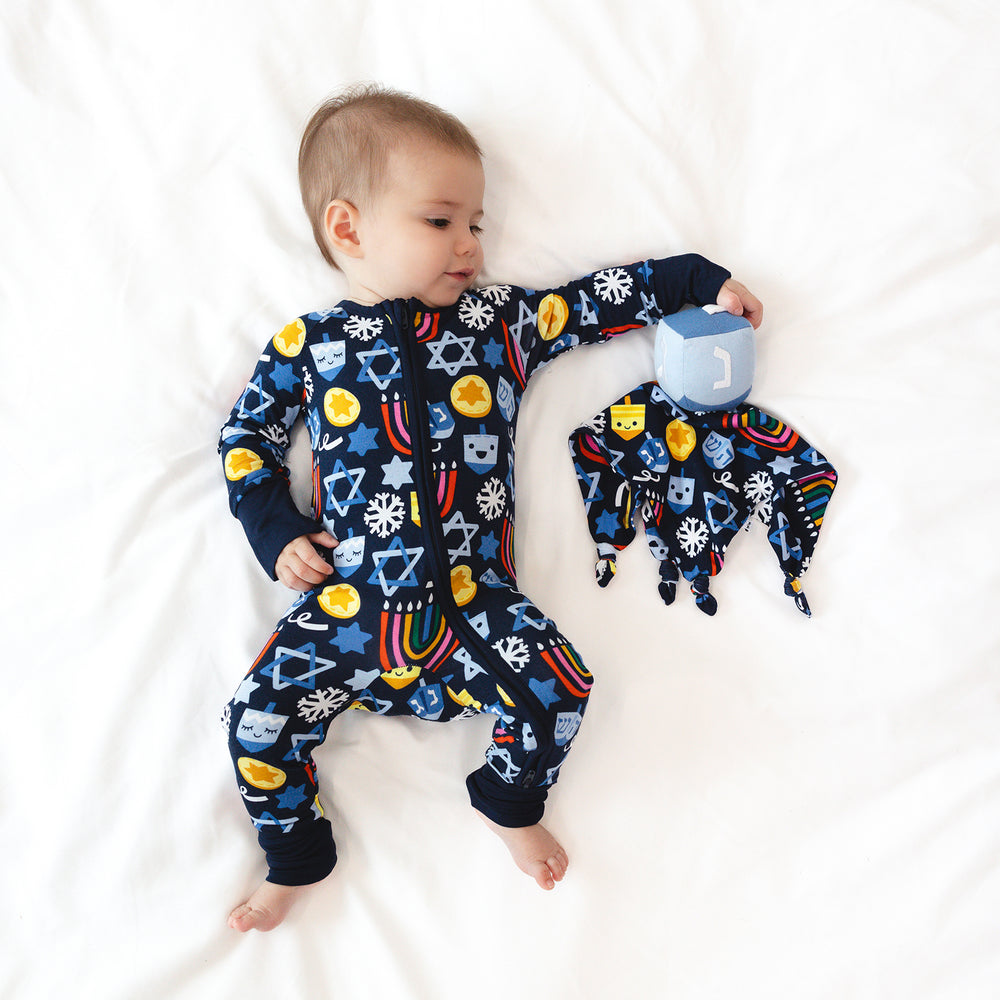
x=300, y=566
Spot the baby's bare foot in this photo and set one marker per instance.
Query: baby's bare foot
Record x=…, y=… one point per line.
x=266, y=908
x=534, y=850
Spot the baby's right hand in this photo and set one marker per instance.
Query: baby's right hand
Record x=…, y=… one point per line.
x=300, y=566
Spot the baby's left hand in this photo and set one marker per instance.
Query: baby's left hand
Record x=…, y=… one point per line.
x=736, y=299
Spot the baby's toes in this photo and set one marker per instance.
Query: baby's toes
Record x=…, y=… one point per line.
x=558, y=864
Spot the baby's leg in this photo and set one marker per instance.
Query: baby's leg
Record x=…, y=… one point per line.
x=266, y=908
x=534, y=850
x=282, y=711
x=537, y=686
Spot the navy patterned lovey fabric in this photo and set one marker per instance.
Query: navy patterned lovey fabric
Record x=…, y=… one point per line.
x=695, y=479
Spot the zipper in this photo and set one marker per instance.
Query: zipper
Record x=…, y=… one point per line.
x=440, y=569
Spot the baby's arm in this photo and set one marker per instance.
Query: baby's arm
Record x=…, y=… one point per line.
x=607, y=303
x=253, y=443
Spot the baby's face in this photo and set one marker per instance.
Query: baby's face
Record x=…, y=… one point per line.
x=421, y=237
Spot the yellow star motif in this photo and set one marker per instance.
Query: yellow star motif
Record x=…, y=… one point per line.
x=261, y=775
x=552, y=315
x=340, y=601
x=462, y=585
x=341, y=407
x=290, y=339
x=471, y=396
x=681, y=439
x=240, y=462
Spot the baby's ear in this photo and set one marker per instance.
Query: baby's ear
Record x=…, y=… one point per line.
x=340, y=223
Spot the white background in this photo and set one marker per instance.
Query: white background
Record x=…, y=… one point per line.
x=758, y=805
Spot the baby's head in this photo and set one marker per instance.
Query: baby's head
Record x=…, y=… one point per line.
x=369, y=160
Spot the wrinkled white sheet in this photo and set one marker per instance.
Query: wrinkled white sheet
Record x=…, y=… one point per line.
x=758, y=805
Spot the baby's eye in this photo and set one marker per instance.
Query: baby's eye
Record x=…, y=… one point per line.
x=477, y=230
x=439, y=223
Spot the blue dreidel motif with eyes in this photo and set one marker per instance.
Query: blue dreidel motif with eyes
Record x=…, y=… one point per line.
x=258, y=730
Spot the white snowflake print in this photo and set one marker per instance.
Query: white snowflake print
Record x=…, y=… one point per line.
x=513, y=651
x=321, y=704
x=384, y=514
x=613, y=285
x=497, y=294
x=363, y=327
x=692, y=535
x=475, y=313
x=763, y=512
x=276, y=434
x=492, y=499
x=227, y=717
x=759, y=487
x=307, y=381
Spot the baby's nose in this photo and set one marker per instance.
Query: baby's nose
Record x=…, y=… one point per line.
x=465, y=244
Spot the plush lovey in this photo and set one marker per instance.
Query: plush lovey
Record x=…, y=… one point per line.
x=690, y=458
x=705, y=358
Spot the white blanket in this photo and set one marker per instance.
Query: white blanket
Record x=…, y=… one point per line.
x=758, y=805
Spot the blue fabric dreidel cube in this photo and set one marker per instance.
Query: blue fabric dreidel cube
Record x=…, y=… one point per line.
x=705, y=358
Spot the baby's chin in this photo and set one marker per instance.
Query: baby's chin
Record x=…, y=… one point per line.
x=440, y=301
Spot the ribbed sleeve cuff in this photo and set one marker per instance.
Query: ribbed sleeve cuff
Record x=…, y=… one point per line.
x=271, y=520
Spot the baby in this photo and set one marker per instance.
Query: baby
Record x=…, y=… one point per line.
x=410, y=389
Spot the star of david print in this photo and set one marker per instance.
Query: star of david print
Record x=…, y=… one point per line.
x=777, y=537
x=593, y=493
x=452, y=368
x=526, y=320
x=457, y=522
x=522, y=619
x=306, y=654
x=406, y=578
x=352, y=479
x=255, y=392
x=269, y=819
x=300, y=740
x=368, y=358
x=713, y=500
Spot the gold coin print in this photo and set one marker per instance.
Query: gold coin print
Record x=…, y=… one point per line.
x=462, y=585
x=471, y=397
x=340, y=601
x=341, y=407
x=681, y=439
x=261, y=775
x=289, y=341
x=240, y=462
x=552, y=315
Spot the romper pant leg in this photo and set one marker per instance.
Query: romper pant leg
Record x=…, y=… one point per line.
x=315, y=666
x=537, y=685
x=392, y=661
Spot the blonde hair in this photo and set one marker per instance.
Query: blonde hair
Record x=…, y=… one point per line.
x=345, y=147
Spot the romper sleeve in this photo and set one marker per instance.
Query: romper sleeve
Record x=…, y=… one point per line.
x=606, y=303
x=253, y=442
